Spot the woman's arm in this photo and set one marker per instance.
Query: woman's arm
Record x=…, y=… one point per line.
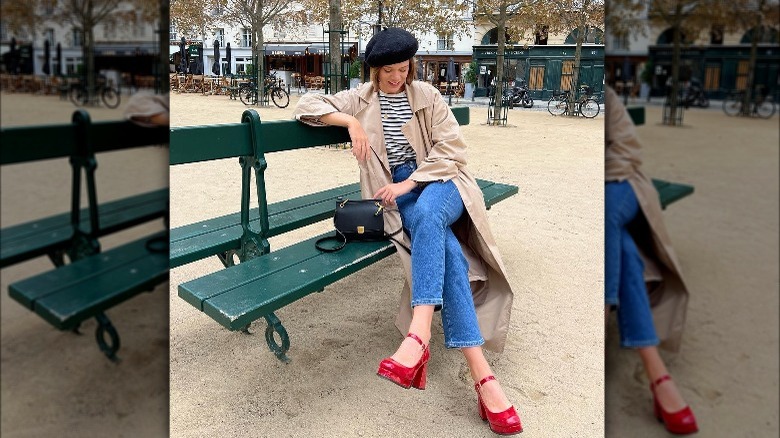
x=361, y=149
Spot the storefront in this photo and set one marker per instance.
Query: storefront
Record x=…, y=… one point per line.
x=434, y=65
x=720, y=69
x=544, y=68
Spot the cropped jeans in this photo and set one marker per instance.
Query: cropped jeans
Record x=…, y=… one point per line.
x=439, y=269
x=623, y=269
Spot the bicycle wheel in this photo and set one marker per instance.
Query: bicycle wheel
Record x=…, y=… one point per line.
x=732, y=106
x=110, y=97
x=280, y=97
x=765, y=109
x=589, y=108
x=77, y=95
x=557, y=105
x=245, y=94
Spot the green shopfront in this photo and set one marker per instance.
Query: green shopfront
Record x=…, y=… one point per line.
x=719, y=68
x=545, y=68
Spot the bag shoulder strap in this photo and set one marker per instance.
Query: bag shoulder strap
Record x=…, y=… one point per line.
x=342, y=241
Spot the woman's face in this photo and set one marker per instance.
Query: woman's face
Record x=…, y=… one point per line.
x=392, y=78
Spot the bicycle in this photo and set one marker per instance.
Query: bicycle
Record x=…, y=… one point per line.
x=109, y=95
x=763, y=106
x=585, y=105
x=272, y=87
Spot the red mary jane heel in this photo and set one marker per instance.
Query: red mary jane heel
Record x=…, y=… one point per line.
x=681, y=422
x=506, y=422
x=406, y=376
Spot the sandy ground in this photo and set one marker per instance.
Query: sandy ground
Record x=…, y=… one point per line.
x=726, y=238
x=228, y=384
x=57, y=383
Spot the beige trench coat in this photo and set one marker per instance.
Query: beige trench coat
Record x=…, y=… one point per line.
x=663, y=277
x=435, y=136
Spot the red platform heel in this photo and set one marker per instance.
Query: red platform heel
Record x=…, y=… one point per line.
x=681, y=422
x=406, y=376
x=506, y=422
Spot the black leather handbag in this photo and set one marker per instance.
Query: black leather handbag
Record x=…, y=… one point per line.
x=361, y=219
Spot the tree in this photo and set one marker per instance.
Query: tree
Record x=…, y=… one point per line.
x=334, y=44
x=513, y=16
x=583, y=15
x=756, y=17
x=416, y=16
x=83, y=15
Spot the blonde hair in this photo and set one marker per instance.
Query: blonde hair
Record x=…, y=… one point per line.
x=410, y=75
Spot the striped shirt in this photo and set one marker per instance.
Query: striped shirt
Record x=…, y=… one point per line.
x=395, y=113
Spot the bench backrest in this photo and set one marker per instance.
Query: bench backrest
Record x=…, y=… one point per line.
x=249, y=141
x=192, y=144
x=79, y=141
x=33, y=143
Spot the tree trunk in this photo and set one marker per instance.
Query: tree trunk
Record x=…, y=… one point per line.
x=757, y=33
x=89, y=59
x=676, y=49
x=259, y=55
x=498, y=92
x=163, y=47
x=334, y=45
x=581, y=31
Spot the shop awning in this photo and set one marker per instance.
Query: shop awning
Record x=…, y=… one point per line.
x=316, y=48
x=285, y=49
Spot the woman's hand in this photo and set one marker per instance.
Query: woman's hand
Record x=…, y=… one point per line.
x=390, y=192
x=360, y=147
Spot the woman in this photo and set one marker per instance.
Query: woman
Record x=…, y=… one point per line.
x=640, y=259
x=411, y=155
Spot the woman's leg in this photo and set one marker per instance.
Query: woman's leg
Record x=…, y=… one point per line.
x=492, y=394
x=668, y=395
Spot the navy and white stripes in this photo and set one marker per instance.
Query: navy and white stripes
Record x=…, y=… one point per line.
x=395, y=113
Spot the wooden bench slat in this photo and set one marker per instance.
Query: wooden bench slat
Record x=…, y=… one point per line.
x=203, y=239
x=72, y=293
x=32, y=239
x=241, y=294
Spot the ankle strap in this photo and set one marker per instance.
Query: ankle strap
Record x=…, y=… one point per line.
x=485, y=380
x=416, y=338
x=660, y=380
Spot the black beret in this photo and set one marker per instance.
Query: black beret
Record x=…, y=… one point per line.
x=390, y=46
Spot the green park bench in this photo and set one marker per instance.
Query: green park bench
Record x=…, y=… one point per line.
x=264, y=281
x=668, y=192
x=92, y=281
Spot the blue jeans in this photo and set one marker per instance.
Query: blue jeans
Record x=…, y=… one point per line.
x=439, y=269
x=623, y=269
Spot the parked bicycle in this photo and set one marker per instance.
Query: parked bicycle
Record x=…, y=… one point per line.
x=272, y=88
x=585, y=105
x=763, y=106
x=108, y=94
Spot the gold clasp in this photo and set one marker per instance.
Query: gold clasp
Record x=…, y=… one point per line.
x=379, y=208
x=343, y=203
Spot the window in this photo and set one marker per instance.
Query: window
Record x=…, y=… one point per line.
x=217, y=8
x=567, y=75
x=536, y=77
x=172, y=31
x=241, y=64
x=619, y=42
x=540, y=38
x=109, y=32
x=742, y=71
x=77, y=37
x=139, y=27
x=220, y=36
x=3, y=32
x=48, y=8
x=712, y=78
x=71, y=65
x=246, y=38
x=48, y=35
x=445, y=42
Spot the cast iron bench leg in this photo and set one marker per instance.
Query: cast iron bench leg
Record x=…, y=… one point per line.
x=274, y=325
x=104, y=325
